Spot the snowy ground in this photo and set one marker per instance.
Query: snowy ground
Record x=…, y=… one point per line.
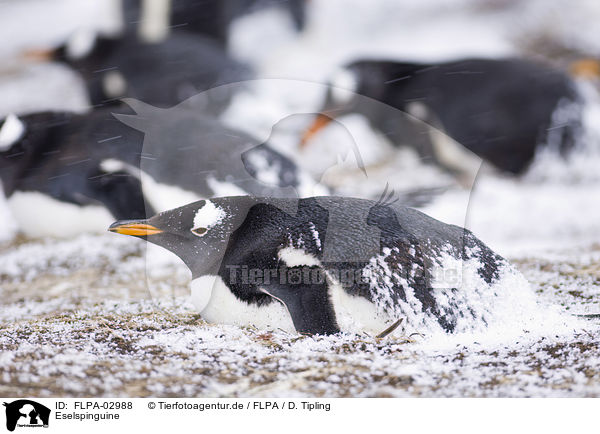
x=77, y=317
x=85, y=325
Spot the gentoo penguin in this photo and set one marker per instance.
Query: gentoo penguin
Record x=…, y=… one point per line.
x=500, y=110
x=85, y=170
x=267, y=262
x=162, y=73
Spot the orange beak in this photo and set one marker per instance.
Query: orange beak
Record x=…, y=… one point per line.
x=319, y=123
x=585, y=68
x=38, y=55
x=135, y=229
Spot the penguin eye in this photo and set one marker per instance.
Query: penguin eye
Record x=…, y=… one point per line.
x=199, y=231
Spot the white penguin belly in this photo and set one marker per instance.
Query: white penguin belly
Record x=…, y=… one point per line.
x=357, y=314
x=217, y=304
x=161, y=196
x=40, y=215
x=353, y=314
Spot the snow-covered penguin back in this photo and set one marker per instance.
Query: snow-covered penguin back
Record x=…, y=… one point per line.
x=462, y=296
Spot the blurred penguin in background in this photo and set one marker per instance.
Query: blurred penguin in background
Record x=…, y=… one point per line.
x=147, y=54
x=80, y=171
x=214, y=17
x=498, y=110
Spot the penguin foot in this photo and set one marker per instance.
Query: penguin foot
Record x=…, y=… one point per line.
x=389, y=330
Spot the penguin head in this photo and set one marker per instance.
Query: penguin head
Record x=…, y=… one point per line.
x=28, y=135
x=365, y=87
x=82, y=44
x=355, y=88
x=340, y=99
x=198, y=233
x=14, y=150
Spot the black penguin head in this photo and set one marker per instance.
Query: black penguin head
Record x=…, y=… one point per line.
x=340, y=99
x=363, y=87
x=28, y=136
x=359, y=87
x=13, y=150
x=79, y=45
x=86, y=48
x=198, y=233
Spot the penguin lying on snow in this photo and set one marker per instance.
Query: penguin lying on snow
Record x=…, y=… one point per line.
x=266, y=262
x=83, y=171
x=501, y=110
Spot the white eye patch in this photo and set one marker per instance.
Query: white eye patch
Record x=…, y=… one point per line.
x=110, y=165
x=10, y=132
x=80, y=44
x=344, y=85
x=206, y=217
x=114, y=84
x=418, y=110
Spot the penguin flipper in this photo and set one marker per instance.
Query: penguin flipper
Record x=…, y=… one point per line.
x=308, y=305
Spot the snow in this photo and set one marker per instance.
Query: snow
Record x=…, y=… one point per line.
x=208, y=216
x=103, y=315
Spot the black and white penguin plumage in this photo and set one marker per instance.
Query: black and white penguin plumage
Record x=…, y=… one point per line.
x=51, y=166
x=162, y=73
x=500, y=110
x=82, y=171
x=202, y=155
x=326, y=264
